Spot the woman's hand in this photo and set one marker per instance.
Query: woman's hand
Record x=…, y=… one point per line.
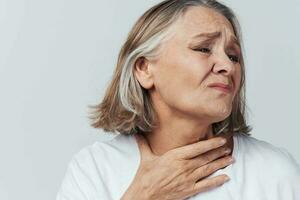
x=179, y=173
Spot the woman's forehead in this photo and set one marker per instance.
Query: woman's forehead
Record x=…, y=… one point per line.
x=197, y=20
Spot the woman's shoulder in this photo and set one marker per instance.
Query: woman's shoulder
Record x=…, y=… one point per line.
x=116, y=147
x=251, y=144
x=264, y=154
x=103, y=168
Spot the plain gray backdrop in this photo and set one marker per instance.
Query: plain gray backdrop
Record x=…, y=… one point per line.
x=56, y=58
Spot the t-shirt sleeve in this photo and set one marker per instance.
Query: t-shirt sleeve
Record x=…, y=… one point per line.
x=82, y=182
x=72, y=186
x=289, y=184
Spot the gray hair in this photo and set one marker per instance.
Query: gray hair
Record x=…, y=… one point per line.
x=128, y=108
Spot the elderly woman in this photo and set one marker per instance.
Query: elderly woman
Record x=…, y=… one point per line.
x=177, y=100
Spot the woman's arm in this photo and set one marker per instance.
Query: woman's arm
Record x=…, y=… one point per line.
x=289, y=178
x=79, y=184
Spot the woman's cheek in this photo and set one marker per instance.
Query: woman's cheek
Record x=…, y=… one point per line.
x=238, y=79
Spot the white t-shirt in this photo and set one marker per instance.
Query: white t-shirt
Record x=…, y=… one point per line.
x=104, y=171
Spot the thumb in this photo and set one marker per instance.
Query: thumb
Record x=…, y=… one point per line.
x=144, y=147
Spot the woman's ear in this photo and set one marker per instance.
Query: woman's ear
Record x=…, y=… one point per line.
x=143, y=73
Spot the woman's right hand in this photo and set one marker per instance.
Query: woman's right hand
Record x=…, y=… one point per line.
x=179, y=173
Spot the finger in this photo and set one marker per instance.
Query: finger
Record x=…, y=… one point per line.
x=195, y=149
x=144, y=147
x=209, y=183
x=210, y=156
x=210, y=168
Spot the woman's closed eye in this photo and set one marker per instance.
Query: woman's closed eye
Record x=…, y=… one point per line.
x=206, y=50
x=203, y=50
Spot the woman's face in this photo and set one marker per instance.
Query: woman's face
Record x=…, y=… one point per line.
x=202, y=50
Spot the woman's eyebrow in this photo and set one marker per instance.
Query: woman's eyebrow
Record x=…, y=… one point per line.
x=214, y=35
x=234, y=40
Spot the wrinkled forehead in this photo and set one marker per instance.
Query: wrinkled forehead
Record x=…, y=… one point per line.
x=199, y=19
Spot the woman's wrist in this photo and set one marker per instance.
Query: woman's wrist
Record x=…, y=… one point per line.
x=134, y=192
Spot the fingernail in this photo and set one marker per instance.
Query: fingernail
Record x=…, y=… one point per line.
x=227, y=178
x=223, y=141
x=232, y=160
x=227, y=151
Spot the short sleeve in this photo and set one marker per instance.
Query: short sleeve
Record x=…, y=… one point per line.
x=82, y=182
x=289, y=184
x=72, y=187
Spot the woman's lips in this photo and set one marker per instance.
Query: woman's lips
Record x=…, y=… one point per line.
x=221, y=87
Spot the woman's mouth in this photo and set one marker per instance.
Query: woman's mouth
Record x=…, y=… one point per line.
x=221, y=87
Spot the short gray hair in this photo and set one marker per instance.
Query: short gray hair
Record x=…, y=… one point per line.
x=127, y=107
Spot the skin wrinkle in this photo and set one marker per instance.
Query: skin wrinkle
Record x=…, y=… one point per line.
x=211, y=37
x=185, y=106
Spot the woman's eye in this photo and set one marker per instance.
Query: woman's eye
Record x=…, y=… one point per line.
x=234, y=58
x=203, y=50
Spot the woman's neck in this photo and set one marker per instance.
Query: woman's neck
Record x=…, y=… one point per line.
x=177, y=129
x=174, y=135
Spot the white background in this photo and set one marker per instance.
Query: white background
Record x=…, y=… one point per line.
x=56, y=58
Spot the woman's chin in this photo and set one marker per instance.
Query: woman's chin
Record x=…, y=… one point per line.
x=221, y=115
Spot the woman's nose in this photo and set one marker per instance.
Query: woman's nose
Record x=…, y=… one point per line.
x=223, y=65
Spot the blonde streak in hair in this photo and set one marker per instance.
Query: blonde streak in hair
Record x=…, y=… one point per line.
x=131, y=96
x=148, y=50
x=222, y=129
